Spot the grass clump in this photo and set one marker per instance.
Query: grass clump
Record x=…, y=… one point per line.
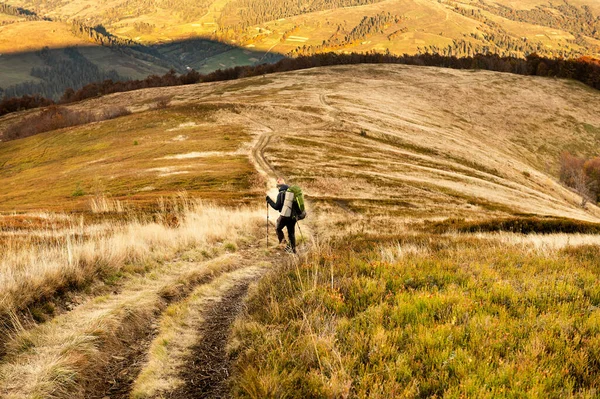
x=467, y=319
x=78, y=191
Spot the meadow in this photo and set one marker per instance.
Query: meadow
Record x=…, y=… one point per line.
x=425, y=316
x=441, y=257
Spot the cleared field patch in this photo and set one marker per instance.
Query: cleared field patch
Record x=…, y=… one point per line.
x=16, y=69
x=17, y=38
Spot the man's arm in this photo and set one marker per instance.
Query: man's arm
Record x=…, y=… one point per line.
x=279, y=204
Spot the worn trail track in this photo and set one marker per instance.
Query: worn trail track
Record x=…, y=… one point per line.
x=208, y=368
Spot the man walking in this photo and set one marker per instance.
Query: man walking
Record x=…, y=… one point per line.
x=289, y=210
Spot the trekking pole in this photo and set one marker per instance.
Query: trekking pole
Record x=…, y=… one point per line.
x=267, y=225
x=300, y=230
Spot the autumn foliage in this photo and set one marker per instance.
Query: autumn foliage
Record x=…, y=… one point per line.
x=581, y=174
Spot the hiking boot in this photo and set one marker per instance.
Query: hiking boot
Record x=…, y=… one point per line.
x=283, y=244
x=290, y=250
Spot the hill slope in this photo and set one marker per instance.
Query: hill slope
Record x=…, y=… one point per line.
x=432, y=142
x=145, y=290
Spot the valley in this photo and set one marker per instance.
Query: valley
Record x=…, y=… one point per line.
x=135, y=38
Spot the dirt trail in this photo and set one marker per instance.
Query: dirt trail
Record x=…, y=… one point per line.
x=208, y=368
x=258, y=155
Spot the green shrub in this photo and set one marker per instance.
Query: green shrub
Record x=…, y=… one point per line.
x=78, y=191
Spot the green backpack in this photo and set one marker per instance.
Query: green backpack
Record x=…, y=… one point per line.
x=299, y=199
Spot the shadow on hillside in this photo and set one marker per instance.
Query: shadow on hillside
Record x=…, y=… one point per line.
x=49, y=72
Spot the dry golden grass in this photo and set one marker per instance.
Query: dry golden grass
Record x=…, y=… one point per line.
x=436, y=142
x=385, y=143
x=67, y=355
x=102, y=204
x=378, y=150
x=73, y=256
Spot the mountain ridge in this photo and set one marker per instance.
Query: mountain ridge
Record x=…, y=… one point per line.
x=227, y=33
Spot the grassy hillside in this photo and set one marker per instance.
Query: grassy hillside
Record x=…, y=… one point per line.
x=395, y=293
x=129, y=158
x=431, y=141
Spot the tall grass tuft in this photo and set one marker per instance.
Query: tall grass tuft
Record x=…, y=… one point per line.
x=102, y=204
x=66, y=257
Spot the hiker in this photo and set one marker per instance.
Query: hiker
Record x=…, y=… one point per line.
x=289, y=210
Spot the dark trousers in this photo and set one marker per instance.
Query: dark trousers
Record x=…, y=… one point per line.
x=290, y=223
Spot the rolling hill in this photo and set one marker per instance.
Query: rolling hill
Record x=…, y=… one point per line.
x=427, y=133
x=133, y=38
x=120, y=281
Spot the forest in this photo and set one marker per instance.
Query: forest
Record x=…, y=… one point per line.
x=254, y=12
x=492, y=38
x=184, y=10
x=62, y=69
x=565, y=16
x=368, y=26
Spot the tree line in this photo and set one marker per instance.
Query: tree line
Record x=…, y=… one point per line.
x=367, y=27
x=58, y=117
x=254, y=12
x=585, y=70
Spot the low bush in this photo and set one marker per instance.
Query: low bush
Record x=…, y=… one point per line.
x=15, y=104
x=523, y=225
x=58, y=117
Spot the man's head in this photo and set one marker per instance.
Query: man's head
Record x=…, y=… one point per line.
x=280, y=181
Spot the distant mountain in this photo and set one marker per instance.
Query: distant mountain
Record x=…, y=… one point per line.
x=121, y=39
